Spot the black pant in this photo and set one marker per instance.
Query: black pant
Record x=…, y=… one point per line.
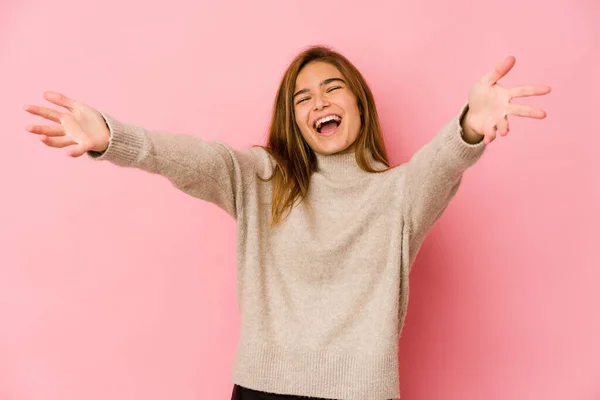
x=242, y=393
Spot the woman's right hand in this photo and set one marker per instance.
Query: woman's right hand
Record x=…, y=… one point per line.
x=79, y=126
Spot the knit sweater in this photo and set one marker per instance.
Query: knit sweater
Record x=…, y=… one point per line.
x=322, y=296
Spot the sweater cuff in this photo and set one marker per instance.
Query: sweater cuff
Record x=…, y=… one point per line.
x=125, y=143
x=464, y=149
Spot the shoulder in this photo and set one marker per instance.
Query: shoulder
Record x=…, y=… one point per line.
x=255, y=159
x=396, y=172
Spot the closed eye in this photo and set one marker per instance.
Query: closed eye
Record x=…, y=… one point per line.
x=328, y=91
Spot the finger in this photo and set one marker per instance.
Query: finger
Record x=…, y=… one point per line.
x=500, y=70
x=57, y=142
x=77, y=151
x=489, y=132
x=502, y=129
x=46, y=130
x=44, y=112
x=59, y=99
x=522, y=110
x=528, y=90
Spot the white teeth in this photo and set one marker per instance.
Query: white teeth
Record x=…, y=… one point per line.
x=328, y=118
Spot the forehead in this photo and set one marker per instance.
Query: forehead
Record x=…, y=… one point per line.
x=314, y=73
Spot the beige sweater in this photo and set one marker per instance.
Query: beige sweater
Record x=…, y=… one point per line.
x=323, y=296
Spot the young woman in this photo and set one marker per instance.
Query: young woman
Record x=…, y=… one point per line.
x=327, y=229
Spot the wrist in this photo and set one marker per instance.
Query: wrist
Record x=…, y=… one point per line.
x=102, y=146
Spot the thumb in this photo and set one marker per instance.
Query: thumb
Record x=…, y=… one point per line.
x=77, y=151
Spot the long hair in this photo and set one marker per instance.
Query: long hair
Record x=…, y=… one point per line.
x=295, y=161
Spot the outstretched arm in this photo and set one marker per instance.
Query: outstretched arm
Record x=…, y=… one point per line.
x=211, y=171
x=435, y=172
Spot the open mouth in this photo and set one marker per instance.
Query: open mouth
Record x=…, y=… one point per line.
x=327, y=125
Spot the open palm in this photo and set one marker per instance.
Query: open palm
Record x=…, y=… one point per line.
x=490, y=102
x=79, y=126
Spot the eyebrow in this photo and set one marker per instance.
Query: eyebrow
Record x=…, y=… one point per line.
x=325, y=82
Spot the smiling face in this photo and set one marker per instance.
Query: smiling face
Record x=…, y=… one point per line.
x=326, y=110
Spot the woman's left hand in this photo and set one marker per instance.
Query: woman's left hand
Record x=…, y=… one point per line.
x=490, y=104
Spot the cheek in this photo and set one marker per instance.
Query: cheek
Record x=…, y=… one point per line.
x=301, y=123
x=355, y=123
x=300, y=118
x=351, y=107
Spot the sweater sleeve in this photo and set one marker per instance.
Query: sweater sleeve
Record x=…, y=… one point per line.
x=210, y=171
x=434, y=174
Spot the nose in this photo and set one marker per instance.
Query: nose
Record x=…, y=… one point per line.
x=321, y=101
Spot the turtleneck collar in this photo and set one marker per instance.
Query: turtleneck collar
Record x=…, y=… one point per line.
x=342, y=167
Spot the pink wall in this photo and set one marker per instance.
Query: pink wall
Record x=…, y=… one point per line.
x=115, y=286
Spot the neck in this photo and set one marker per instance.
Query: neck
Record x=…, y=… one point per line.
x=342, y=166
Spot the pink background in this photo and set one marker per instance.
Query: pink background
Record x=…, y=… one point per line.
x=113, y=285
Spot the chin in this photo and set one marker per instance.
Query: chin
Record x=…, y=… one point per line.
x=332, y=149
